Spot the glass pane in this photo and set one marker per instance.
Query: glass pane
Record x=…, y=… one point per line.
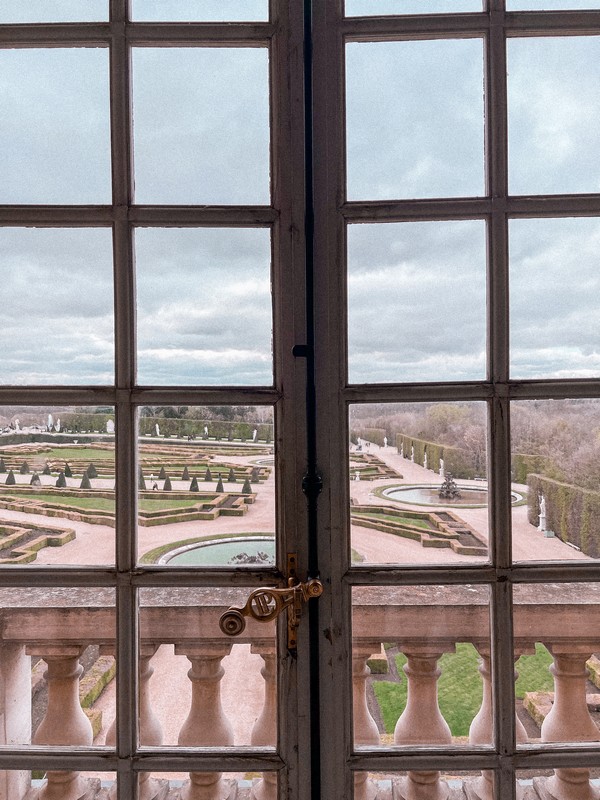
x=416, y=663
x=558, y=673
x=359, y=8
x=454, y=785
x=58, y=326
x=207, y=485
x=555, y=446
x=54, y=127
x=200, y=10
x=182, y=649
x=418, y=493
x=414, y=119
x=534, y=783
x=201, y=125
x=550, y=5
x=553, y=107
x=58, y=669
x=57, y=475
x=204, y=306
x=23, y=783
x=416, y=301
x=554, y=286
x=45, y=11
x=238, y=785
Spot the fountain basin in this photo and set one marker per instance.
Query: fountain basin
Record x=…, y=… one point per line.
x=259, y=550
x=429, y=495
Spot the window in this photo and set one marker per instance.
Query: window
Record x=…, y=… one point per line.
x=241, y=240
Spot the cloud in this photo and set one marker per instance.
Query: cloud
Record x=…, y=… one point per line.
x=414, y=119
x=416, y=301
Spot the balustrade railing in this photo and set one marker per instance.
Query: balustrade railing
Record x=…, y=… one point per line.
x=422, y=632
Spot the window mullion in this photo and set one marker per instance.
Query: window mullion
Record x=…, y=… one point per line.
x=125, y=457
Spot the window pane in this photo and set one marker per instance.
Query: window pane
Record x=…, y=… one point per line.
x=555, y=640
x=57, y=322
x=206, y=486
x=58, y=644
x=555, y=446
x=415, y=660
x=553, y=105
x=45, y=11
x=57, y=477
x=550, y=5
x=416, y=301
x=179, y=629
x=554, y=289
x=418, y=488
x=201, y=125
x=54, y=127
x=200, y=10
x=358, y=8
x=414, y=119
x=453, y=785
x=204, y=306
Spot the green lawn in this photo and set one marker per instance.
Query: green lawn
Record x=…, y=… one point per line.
x=418, y=523
x=87, y=453
x=460, y=686
x=107, y=503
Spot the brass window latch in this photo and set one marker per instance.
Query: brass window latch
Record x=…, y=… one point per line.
x=265, y=604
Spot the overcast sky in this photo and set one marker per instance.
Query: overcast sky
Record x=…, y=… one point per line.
x=415, y=129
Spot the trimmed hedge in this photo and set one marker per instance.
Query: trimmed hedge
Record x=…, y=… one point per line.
x=523, y=463
x=217, y=429
x=461, y=463
x=572, y=513
x=374, y=435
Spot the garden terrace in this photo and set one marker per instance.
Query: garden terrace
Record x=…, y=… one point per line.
x=431, y=528
x=57, y=625
x=20, y=542
x=97, y=507
x=371, y=468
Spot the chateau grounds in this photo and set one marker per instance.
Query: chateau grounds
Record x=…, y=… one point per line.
x=194, y=492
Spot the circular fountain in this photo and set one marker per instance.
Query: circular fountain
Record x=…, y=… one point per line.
x=429, y=495
x=236, y=551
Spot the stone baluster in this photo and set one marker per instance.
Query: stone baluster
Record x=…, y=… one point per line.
x=264, y=731
x=421, y=722
x=150, y=729
x=64, y=722
x=366, y=732
x=569, y=721
x=481, y=731
x=206, y=724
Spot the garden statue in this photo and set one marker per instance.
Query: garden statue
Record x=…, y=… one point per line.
x=449, y=490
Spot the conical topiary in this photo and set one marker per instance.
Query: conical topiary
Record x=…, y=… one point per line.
x=194, y=485
x=2, y=465
x=68, y=471
x=91, y=471
x=185, y=475
x=246, y=488
x=61, y=481
x=85, y=482
x=167, y=485
x=10, y=478
x=35, y=480
x=207, y=475
x=141, y=481
x=24, y=468
x=162, y=474
x=46, y=470
x=220, y=485
x=254, y=475
x=231, y=478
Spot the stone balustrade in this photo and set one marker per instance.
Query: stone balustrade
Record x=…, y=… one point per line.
x=423, y=623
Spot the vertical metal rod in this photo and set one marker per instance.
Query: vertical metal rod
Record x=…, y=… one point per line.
x=311, y=443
